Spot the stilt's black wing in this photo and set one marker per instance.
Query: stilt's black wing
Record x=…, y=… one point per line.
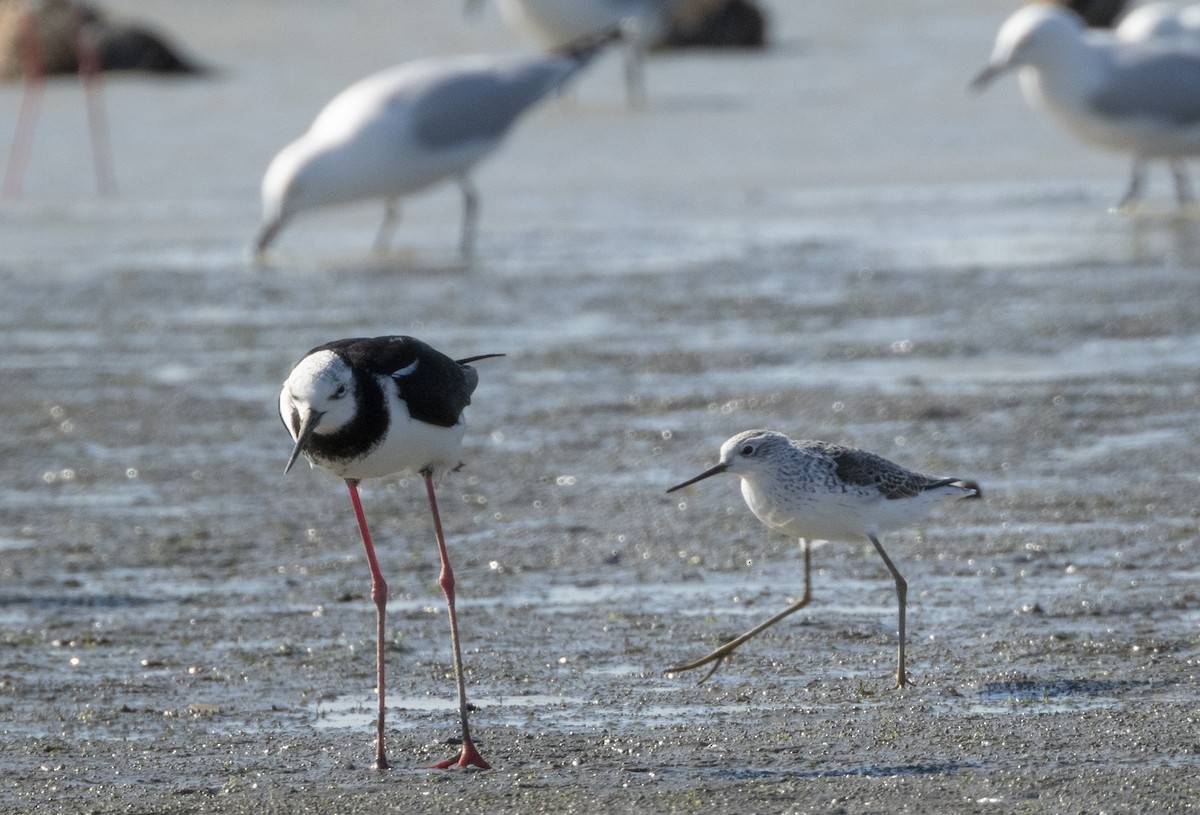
x=434, y=386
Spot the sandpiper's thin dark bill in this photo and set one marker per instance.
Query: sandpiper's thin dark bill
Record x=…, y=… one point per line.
x=711, y=471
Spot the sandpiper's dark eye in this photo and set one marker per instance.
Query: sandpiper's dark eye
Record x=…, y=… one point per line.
x=748, y=450
x=340, y=392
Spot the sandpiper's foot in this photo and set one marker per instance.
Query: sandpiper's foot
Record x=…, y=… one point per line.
x=717, y=658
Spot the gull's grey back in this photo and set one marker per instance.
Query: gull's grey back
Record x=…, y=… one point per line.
x=494, y=94
x=1163, y=86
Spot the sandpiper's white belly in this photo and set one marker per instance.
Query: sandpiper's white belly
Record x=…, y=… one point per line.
x=835, y=515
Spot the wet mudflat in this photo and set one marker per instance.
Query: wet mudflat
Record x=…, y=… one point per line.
x=184, y=629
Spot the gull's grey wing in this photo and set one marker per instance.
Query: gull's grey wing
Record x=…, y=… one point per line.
x=481, y=104
x=1162, y=86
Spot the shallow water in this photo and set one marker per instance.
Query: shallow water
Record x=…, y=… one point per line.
x=831, y=238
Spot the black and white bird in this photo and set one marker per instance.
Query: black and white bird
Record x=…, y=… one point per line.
x=814, y=490
x=407, y=128
x=363, y=408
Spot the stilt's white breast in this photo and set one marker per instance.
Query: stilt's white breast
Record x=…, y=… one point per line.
x=410, y=445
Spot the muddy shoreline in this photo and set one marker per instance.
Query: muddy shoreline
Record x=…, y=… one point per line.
x=187, y=630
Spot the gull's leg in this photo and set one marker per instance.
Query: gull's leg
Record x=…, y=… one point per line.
x=468, y=756
x=902, y=601
x=635, y=35
x=379, y=596
x=1134, y=192
x=391, y=216
x=470, y=216
x=1183, y=187
x=719, y=655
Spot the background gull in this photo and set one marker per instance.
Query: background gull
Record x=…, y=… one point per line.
x=1157, y=20
x=402, y=130
x=1136, y=97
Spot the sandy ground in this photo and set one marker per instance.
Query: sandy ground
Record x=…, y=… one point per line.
x=184, y=629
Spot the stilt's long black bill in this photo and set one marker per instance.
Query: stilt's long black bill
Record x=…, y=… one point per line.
x=306, y=430
x=720, y=468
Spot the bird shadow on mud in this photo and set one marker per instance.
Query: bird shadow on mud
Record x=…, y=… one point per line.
x=65, y=600
x=858, y=771
x=1037, y=690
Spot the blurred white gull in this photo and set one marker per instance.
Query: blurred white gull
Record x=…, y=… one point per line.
x=404, y=129
x=558, y=22
x=1135, y=97
x=1156, y=20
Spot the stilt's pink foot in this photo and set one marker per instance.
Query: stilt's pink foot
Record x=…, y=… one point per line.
x=468, y=756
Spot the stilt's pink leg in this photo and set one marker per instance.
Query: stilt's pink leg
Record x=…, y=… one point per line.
x=379, y=592
x=467, y=756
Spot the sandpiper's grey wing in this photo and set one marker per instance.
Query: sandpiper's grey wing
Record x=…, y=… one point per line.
x=865, y=469
x=1160, y=86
